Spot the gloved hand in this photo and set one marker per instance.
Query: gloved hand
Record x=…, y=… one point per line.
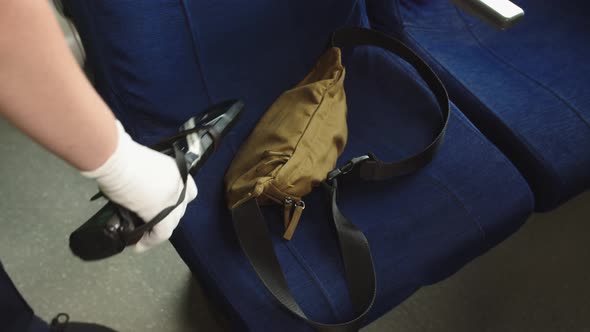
x=146, y=182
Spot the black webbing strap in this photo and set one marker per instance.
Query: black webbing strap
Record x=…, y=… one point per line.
x=373, y=168
x=135, y=235
x=252, y=231
x=256, y=242
x=131, y=218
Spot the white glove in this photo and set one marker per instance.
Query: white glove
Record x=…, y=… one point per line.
x=146, y=182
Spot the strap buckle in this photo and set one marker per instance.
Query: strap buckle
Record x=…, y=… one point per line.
x=347, y=168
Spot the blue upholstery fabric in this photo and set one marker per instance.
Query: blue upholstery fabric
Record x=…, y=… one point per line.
x=527, y=89
x=422, y=227
x=15, y=313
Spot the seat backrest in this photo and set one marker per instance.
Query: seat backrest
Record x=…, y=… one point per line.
x=156, y=63
x=392, y=16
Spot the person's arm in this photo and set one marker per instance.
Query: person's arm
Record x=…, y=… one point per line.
x=44, y=93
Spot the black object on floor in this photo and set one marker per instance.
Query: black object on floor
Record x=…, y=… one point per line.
x=61, y=323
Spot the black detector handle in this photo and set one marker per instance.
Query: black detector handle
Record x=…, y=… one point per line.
x=113, y=227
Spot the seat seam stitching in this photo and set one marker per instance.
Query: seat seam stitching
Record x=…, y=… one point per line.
x=314, y=278
x=191, y=29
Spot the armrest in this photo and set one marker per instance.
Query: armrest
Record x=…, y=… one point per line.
x=501, y=14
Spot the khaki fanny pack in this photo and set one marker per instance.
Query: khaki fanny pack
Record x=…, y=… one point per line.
x=294, y=148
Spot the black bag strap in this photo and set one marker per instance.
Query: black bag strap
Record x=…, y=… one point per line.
x=131, y=218
x=135, y=235
x=252, y=231
x=369, y=166
x=255, y=240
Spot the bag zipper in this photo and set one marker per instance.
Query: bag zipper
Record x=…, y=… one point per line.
x=288, y=205
x=290, y=220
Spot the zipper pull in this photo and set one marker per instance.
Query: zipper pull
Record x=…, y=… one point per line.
x=299, y=207
x=288, y=205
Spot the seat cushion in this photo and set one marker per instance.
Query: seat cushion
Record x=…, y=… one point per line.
x=527, y=89
x=422, y=227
